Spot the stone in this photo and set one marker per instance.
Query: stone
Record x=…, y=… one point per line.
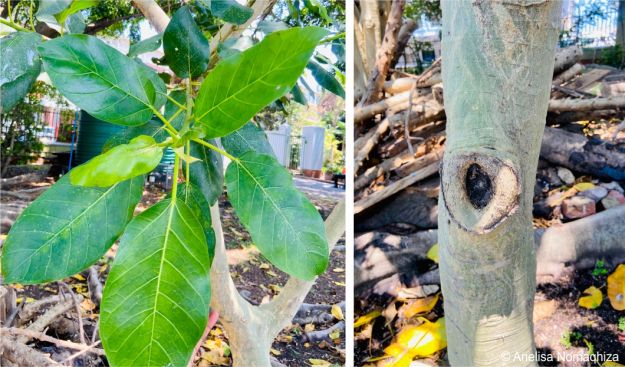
x=596, y=193
x=614, y=198
x=613, y=186
x=566, y=175
x=578, y=207
x=542, y=210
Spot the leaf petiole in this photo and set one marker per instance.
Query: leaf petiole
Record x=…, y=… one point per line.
x=220, y=151
x=174, y=188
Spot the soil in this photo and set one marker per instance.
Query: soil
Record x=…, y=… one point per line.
x=253, y=275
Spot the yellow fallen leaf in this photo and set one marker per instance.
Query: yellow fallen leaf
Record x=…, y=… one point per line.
x=335, y=334
x=612, y=364
x=319, y=362
x=433, y=253
x=593, y=300
x=79, y=277
x=17, y=286
x=309, y=327
x=419, y=306
x=307, y=345
x=264, y=266
x=340, y=284
x=276, y=288
x=337, y=312
x=271, y=273
x=583, y=186
x=275, y=352
x=416, y=341
x=27, y=300
x=365, y=319
x=616, y=288
x=338, y=270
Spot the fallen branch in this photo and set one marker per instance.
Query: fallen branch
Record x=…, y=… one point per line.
x=27, y=334
x=607, y=103
x=319, y=335
x=22, y=355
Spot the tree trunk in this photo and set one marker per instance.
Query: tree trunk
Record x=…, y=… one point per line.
x=493, y=138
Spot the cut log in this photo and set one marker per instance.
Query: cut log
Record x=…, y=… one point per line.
x=565, y=57
x=591, y=156
x=415, y=208
x=554, y=118
x=564, y=105
x=568, y=74
x=397, y=186
x=580, y=243
x=369, y=111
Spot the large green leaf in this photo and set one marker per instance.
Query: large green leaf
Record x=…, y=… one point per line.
x=146, y=45
x=99, y=79
x=49, y=8
x=141, y=155
x=285, y=226
x=249, y=137
x=66, y=229
x=207, y=174
x=243, y=84
x=186, y=48
x=231, y=11
x=326, y=79
x=19, y=68
x=193, y=197
x=74, y=7
x=156, y=299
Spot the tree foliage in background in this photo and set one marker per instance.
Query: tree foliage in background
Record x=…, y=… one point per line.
x=21, y=126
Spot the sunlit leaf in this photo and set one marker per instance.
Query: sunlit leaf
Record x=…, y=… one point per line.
x=583, y=186
x=593, y=300
x=146, y=45
x=231, y=11
x=616, y=288
x=337, y=312
x=416, y=341
x=141, y=155
x=241, y=85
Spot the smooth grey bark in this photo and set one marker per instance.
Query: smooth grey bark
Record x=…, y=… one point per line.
x=499, y=58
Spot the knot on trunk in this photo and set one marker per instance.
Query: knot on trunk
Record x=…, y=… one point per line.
x=480, y=188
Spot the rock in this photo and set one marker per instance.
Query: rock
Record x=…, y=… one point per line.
x=614, y=198
x=578, y=207
x=550, y=176
x=613, y=186
x=566, y=175
x=596, y=193
x=542, y=210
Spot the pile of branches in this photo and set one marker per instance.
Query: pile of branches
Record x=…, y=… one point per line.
x=400, y=134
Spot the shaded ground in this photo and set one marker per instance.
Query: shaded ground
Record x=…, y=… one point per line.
x=253, y=275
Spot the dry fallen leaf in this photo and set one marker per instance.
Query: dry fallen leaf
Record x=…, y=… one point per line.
x=319, y=362
x=416, y=341
x=616, y=288
x=593, y=300
x=365, y=319
x=337, y=312
x=79, y=277
x=418, y=306
x=433, y=253
x=275, y=352
x=583, y=186
x=87, y=304
x=309, y=327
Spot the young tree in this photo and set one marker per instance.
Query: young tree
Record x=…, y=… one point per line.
x=171, y=263
x=497, y=68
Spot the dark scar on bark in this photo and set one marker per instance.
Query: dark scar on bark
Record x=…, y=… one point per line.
x=478, y=186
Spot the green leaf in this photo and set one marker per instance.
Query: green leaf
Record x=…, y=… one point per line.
x=285, y=226
x=153, y=128
x=20, y=67
x=171, y=108
x=231, y=11
x=186, y=48
x=193, y=197
x=74, y=7
x=298, y=95
x=120, y=163
x=248, y=138
x=208, y=174
x=234, y=46
x=156, y=299
x=100, y=80
x=66, y=229
x=146, y=45
x=241, y=85
x=267, y=26
x=326, y=79
x=75, y=23
x=49, y=8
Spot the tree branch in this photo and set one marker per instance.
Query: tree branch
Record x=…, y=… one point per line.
x=153, y=13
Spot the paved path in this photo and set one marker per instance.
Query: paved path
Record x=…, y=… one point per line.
x=320, y=188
